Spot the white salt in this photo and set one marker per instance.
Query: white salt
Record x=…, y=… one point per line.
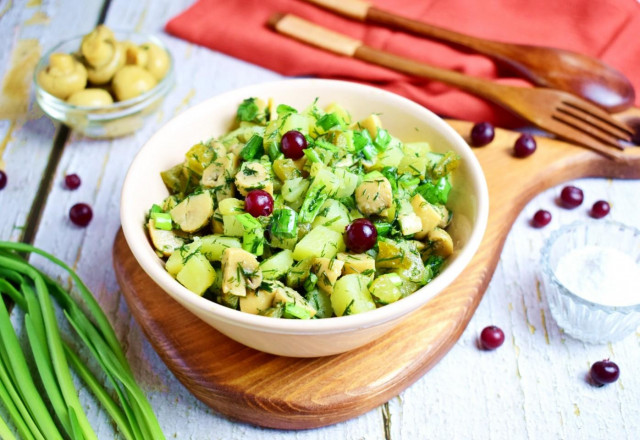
x=601, y=275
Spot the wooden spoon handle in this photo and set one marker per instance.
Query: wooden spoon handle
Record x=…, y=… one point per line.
x=365, y=11
x=318, y=36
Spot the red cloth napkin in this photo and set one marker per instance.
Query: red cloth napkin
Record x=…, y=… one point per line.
x=607, y=29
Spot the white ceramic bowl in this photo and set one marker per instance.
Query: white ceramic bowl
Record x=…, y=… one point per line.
x=303, y=338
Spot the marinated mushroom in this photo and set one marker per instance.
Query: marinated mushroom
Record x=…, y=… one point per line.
x=253, y=175
x=132, y=81
x=240, y=269
x=64, y=76
x=90, y=98
x=157, y=60
x=194, y=212
x=374, y=195
x=135, y=55
x=97, y=47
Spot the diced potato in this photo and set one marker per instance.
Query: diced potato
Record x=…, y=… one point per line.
x=325, y=180
x=334, y=215
x=336, y=108
x=374, y=194
x=197, y=274
x=178, y=258
x=349, y=182
x=429, y=215
x=277, y=265
x=231, y=206
x=256, y=302
x=294, y=189
x=298, y=122
x=253, y=175
x=358, y=263
x=164, y=241
x=319, y=242
x=351, y=295
x=240, y=269
x=440, y=242
x=410, y=223
x=391, y=157
x=194, y=212
x=371, y=123
x=328, y=271
x=387, y=288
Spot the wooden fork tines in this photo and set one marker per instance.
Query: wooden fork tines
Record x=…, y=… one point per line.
x=560, y=113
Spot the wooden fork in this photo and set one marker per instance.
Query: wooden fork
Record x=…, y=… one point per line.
x=560, y=113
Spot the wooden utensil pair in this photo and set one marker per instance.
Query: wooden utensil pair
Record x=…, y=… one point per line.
x=557, y=112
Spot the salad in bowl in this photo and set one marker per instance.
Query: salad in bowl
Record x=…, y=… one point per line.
x=305, y=213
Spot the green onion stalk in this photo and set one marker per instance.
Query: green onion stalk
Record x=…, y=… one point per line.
x=21, y=391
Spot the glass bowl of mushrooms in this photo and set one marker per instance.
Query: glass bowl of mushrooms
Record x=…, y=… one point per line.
x=106, y=83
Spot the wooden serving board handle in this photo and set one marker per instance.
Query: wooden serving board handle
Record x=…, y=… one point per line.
x=292, y=393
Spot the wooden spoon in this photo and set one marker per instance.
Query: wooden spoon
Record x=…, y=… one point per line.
x=572, y=72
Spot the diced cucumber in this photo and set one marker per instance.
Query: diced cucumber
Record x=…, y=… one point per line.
x=333, y=215
x=231, y=206
x=321, y=302
x=387, y=288
x=297, y=122
x=197, y=274
x=299, y=273
x=276, y=266
x=319, y=242
x=253, y=236
x=351, y=295
x=327, y=181
x=232, y=227
x=213, y=246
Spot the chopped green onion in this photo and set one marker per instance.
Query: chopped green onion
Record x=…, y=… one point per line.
x=435, y=192
x=247, y=110
x=155, y=208
x=293, y=310
x=253, y=238
x=284, y=223
x=283, y=109
x=313, y=201
x=382, y=139
x=327, y=146
x=310, y=282
x=383, y=228
x=162, y=220
x=273, y=150
x=328, y=121
x=311, y=155
x=252, y=148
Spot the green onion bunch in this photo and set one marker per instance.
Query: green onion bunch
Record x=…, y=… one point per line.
x=60, y=415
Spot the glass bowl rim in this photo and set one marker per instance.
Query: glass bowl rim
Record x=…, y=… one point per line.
x=112, y=111
x=550, y=275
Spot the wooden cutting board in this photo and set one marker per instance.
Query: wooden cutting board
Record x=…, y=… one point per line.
x=290, y=393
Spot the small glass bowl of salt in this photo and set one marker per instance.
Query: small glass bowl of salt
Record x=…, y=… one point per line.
x=591, y=279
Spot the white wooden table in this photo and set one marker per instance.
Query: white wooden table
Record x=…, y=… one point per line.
x=533, y=387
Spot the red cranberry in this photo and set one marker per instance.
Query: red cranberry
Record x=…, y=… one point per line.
x=571, y=197
x=72, y=181
x=3, y=179
x=258, y=202
x=361, y=235
x=604, y=372
x=482, y=133
x=293, y=144
x=541, y=218
x=525, y=146
x=600, y=209
x=491, y=337
x=81, y=214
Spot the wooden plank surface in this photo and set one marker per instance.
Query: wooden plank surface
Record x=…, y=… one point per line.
x=532, y=387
